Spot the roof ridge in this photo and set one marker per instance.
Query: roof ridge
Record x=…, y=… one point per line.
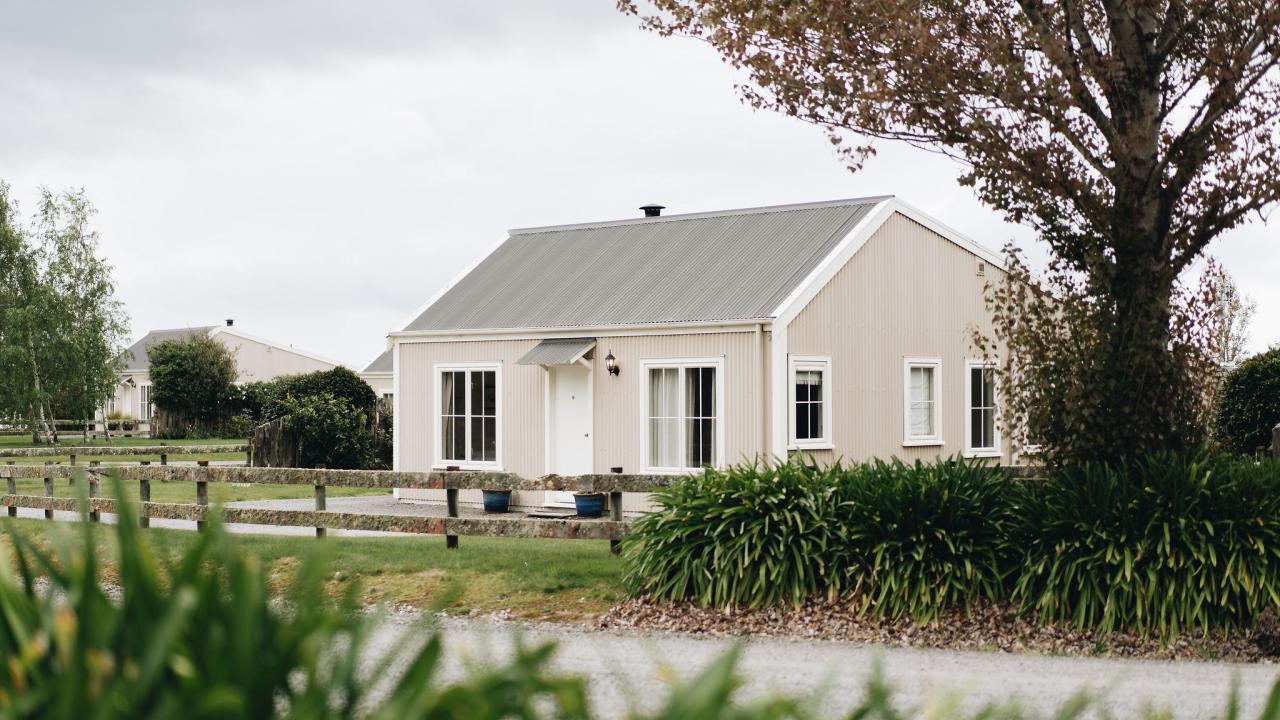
x=760, y=210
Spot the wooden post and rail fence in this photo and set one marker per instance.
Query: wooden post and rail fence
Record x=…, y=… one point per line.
x=613, y=528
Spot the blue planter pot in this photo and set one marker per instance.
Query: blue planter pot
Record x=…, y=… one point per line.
x=497, y=501
x=589, y=504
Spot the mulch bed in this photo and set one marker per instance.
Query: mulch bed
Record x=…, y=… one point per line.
x=987, y=627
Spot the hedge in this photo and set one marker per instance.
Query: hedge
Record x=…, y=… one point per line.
x=1169, y=543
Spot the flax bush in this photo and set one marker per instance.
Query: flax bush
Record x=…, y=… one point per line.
x=752, y=535
x=923, y=538
x=1172, y=542
x=907, y=539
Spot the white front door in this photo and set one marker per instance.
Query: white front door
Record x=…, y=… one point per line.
x=570, y=442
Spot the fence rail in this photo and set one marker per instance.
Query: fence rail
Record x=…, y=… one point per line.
x=613, y=529
x=121, y=450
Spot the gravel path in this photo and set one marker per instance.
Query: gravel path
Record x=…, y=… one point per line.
x=626, y=670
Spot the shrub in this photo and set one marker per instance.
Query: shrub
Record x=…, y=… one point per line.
x=921, y=539
x=751, y=535
x=1249, y=404
x=329, y=432
x=339, y=383
x=1168, y=543
x=193, y=377
x=909, y=539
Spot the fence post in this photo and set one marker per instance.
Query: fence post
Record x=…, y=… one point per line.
x=71, y=477
x=202, y=493
x=48, y=488
x=615, y=511
x=94, y=489
x=144, y=496
x=13, y=488
x=1275, y=441
x=320, y=501
x=164, y=456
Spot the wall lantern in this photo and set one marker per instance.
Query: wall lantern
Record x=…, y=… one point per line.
x=611, y=363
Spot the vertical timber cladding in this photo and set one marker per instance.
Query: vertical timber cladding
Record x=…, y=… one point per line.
x=520, y=410
x=907, y=292
x=621, y=405
x=619, y=412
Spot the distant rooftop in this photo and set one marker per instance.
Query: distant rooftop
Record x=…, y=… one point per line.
x=137, y=356
x=381, y=364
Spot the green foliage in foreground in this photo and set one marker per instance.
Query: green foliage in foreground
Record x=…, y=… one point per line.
x=1171, y=543
x=198, y=636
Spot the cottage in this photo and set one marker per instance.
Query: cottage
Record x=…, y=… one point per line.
x=256, y=360
x=662, y=344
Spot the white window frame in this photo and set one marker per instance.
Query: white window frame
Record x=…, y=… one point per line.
x=144, y=403
x=682, y=364
x=984, y=452
x=810, y=363
x=436, y=404
x=909, y=440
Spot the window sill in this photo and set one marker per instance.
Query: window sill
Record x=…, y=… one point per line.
x=675, y=471
x=812, y=446
x=923, y=442
x=983, y=453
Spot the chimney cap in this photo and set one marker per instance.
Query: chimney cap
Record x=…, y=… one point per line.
x=653, y=209
x=230, y=322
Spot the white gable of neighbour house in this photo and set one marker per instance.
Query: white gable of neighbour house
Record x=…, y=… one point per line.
x=833, y=330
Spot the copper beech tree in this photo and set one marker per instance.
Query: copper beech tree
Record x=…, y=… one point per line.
x=1128, y=133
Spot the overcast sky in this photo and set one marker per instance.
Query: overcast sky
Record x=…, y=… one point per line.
x=317, y=170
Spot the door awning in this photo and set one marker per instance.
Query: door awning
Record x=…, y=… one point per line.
x=557, y=351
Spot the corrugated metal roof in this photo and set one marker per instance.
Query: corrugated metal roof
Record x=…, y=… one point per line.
x=557, y=351
x=381, y=364
x=731, y=265
x=137, y=358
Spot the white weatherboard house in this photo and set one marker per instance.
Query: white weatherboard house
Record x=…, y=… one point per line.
x=256, y=360
x=662, y=344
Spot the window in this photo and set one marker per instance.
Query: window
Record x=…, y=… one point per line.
x=468, y=401
x=811, y=402
x=683, y=422
x=144, y=413
x=922, y=411
x=981, y=436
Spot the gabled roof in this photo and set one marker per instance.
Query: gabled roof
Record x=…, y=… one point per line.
x=381, y=364
x=703, y=267
x=137, y=357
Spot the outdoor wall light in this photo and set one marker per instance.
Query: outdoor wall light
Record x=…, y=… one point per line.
x=611, y=363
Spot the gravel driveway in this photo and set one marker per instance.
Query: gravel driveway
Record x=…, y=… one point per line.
x=625, y=670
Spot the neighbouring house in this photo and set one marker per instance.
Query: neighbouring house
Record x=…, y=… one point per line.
x=256, y=360
x=662, y=344
x=380, y=377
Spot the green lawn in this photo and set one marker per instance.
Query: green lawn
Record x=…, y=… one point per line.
x=185, y=492
x=552, y=580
